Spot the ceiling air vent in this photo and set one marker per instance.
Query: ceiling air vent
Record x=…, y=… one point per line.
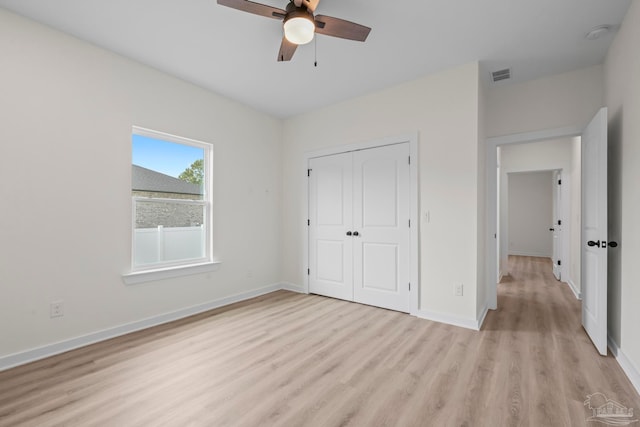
x=497, y=76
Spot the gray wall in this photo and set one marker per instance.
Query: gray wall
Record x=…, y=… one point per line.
x=530, y=213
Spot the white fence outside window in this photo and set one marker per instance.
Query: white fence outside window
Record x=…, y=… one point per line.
x=167, y=244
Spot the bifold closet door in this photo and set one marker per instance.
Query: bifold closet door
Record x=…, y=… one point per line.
x=330, y=217
x=359, y=226
x=381, y=203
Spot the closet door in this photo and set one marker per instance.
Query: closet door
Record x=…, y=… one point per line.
x=381, y=203
x=330, y=216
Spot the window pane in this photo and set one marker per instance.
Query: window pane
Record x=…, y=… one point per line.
x=169, y=199
x=153, y=212
x=181, y=161
x=168, y=170
x=168, y=231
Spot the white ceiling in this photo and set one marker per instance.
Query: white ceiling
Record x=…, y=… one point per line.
x=234, y=53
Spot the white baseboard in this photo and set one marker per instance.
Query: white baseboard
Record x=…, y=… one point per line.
x=574, y=289
x=483, y=315
x=448, y=319
x=293, y=288
x=527, y=253
x=629, y=368
x=34, y=354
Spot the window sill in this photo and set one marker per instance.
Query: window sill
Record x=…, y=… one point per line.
x=168, y=273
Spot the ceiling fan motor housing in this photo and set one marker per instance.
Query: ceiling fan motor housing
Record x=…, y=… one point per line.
x=294, y=11
x=299, y=25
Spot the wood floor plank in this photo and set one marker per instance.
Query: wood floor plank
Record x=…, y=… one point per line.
x=287, y=359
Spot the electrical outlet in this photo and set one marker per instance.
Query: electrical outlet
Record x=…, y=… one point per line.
x=56, y=309
x=458, y=289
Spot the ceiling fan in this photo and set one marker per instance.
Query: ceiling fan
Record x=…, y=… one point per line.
x=300, y=24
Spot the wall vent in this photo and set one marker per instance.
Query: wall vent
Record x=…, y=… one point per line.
x=497, y=76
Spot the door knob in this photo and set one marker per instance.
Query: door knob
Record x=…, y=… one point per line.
x=552, y=229
x=348, y=233
x=592, y=243
x=355, y=233
x=613, y=244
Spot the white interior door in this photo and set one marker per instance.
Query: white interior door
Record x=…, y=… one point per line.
x=330, y=217
x=594, y=230
x=381, y=185
x=556, y=226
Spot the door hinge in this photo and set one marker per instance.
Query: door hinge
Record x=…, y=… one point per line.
x=308, y=272
x=409, y=159
x=409, y=223
x=308, y=172
x=409, y=285
x=559, y=262
x=559, y=182
x=559, y=222
x=308, y=222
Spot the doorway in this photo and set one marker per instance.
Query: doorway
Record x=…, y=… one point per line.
x=552, y=152
x=539, y=182
x=530, y=209
x=593, y=240
x=532, y=216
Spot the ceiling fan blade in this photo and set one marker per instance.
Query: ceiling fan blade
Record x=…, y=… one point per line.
x=336, y=27
x=287, y=49
x=256, y=8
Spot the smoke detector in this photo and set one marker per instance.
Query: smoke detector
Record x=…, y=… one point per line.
x=597, y=32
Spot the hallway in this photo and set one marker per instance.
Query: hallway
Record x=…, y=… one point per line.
x=549, y=365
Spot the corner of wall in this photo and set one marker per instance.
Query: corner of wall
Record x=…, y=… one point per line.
x=482, y=213
x=627, y=365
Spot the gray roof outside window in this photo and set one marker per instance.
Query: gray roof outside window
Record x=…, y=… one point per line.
x=143, y=179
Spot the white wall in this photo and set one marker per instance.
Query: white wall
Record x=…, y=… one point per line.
x=483, y=290
x=622, y=83
x=568, y=99
x=530, y=213
x=443, y=108
x=67, y=109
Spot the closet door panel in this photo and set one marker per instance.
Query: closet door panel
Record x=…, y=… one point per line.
x=330, y=217
x=381, y=202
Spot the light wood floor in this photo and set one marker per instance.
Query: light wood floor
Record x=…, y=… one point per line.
x=297, y=360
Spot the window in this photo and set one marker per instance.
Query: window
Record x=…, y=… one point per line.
x=171, y=200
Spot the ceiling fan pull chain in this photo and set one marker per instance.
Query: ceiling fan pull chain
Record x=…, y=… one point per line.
x=315, y=51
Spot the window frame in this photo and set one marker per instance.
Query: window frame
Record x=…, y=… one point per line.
x=161, y=270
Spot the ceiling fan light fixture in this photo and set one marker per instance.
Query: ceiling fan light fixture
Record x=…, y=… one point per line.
x=299, y=29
